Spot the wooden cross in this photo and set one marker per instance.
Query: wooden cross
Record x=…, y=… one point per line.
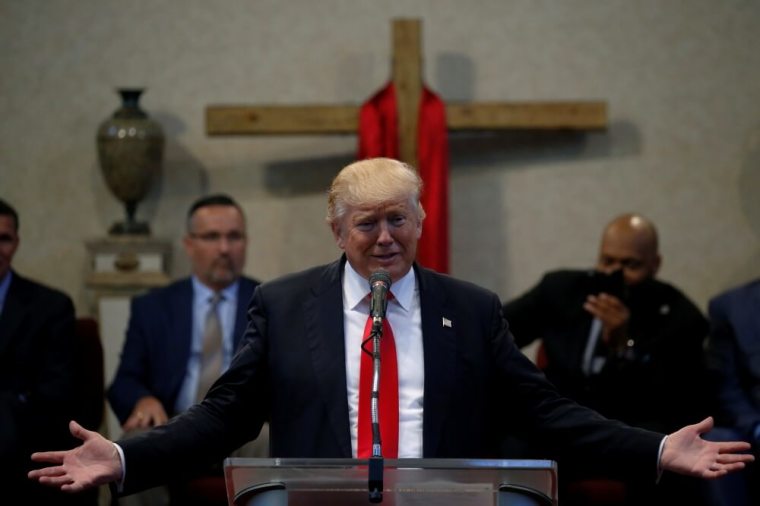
x=407, y=78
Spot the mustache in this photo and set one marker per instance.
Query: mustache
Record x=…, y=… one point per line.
x=224, y=263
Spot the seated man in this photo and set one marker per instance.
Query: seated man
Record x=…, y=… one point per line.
x=733, y=354
x=615, y=338
x=172, y=330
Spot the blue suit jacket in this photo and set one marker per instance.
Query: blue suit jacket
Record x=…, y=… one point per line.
x=157, y=346
x=291, y=369
x=734, y=356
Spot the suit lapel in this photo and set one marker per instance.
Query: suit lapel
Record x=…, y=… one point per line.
x=181, y=308
x=323, y=316
x=245, y=291
x=439, y=349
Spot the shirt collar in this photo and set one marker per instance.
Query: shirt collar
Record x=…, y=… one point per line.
x=356, y=288
x=203, y=293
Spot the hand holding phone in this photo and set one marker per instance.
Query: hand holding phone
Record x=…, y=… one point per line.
x=611, y=284
x=606, y=301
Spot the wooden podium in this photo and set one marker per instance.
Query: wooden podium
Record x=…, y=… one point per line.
x=412, y=482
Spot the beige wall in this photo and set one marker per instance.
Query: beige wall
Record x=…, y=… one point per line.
x=682, y=79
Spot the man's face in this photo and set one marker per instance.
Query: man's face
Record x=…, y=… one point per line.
x=381, y=237
x=216, y=245
x=627, y=252
x=8, y=243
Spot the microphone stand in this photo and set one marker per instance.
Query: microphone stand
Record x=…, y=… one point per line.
x=376, y=460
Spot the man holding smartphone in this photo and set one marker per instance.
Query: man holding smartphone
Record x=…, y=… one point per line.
x=614, y=337
x=618, y=340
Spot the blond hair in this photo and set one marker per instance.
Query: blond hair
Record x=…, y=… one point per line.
x=372, y=182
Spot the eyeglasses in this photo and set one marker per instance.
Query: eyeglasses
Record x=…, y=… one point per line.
x=7, y=238
x=215, y=237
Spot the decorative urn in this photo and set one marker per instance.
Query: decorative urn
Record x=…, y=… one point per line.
x=130, y=151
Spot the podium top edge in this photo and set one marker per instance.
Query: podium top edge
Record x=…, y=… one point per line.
x=432, y=463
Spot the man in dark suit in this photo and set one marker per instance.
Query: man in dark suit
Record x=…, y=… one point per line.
x=461, y=380
x=160, y=372
x=615, y=338
x=37, y=372
x=733, y=354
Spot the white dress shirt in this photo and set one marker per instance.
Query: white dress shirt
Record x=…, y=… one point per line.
x=405, y=319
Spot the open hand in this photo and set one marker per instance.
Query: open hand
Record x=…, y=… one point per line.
x=685, y=452
x=95, y=462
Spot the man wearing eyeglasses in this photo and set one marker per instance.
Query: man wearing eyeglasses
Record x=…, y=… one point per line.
x=163, y=367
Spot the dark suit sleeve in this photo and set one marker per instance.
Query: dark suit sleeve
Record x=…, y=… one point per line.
x=564, y=428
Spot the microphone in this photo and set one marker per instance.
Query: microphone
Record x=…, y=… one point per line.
x=379, y=284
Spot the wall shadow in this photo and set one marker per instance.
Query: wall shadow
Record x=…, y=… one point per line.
x=304, y=176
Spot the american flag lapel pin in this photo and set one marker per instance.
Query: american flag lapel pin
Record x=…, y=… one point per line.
x=446, y=322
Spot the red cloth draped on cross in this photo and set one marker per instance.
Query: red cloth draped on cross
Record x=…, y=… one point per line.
x=378, y=136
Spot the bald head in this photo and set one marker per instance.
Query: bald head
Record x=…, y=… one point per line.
x=629, y=242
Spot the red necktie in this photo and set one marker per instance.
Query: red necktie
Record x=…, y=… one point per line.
x=388, y=400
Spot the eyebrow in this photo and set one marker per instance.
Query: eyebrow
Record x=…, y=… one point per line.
x=623, y=260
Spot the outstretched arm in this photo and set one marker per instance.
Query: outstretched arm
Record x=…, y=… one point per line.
x=685, y=452
x=95, y=462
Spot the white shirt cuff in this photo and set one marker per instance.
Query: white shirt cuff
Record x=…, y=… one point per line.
x=659, y=459
x=120, y=483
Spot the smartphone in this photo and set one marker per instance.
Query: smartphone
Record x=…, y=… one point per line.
x=611, y=284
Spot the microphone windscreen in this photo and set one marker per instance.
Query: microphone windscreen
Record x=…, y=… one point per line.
x=380, y=277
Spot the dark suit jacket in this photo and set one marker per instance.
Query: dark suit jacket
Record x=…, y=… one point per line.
x=291, y=368
x=734, y=356
x=658, y=382
x=157, y=346
x=37, y=369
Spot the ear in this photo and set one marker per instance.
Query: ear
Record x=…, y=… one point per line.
x=187, y=243
x=335, y=227
x=657, y=264
x=14, y=246
x=419, y=228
